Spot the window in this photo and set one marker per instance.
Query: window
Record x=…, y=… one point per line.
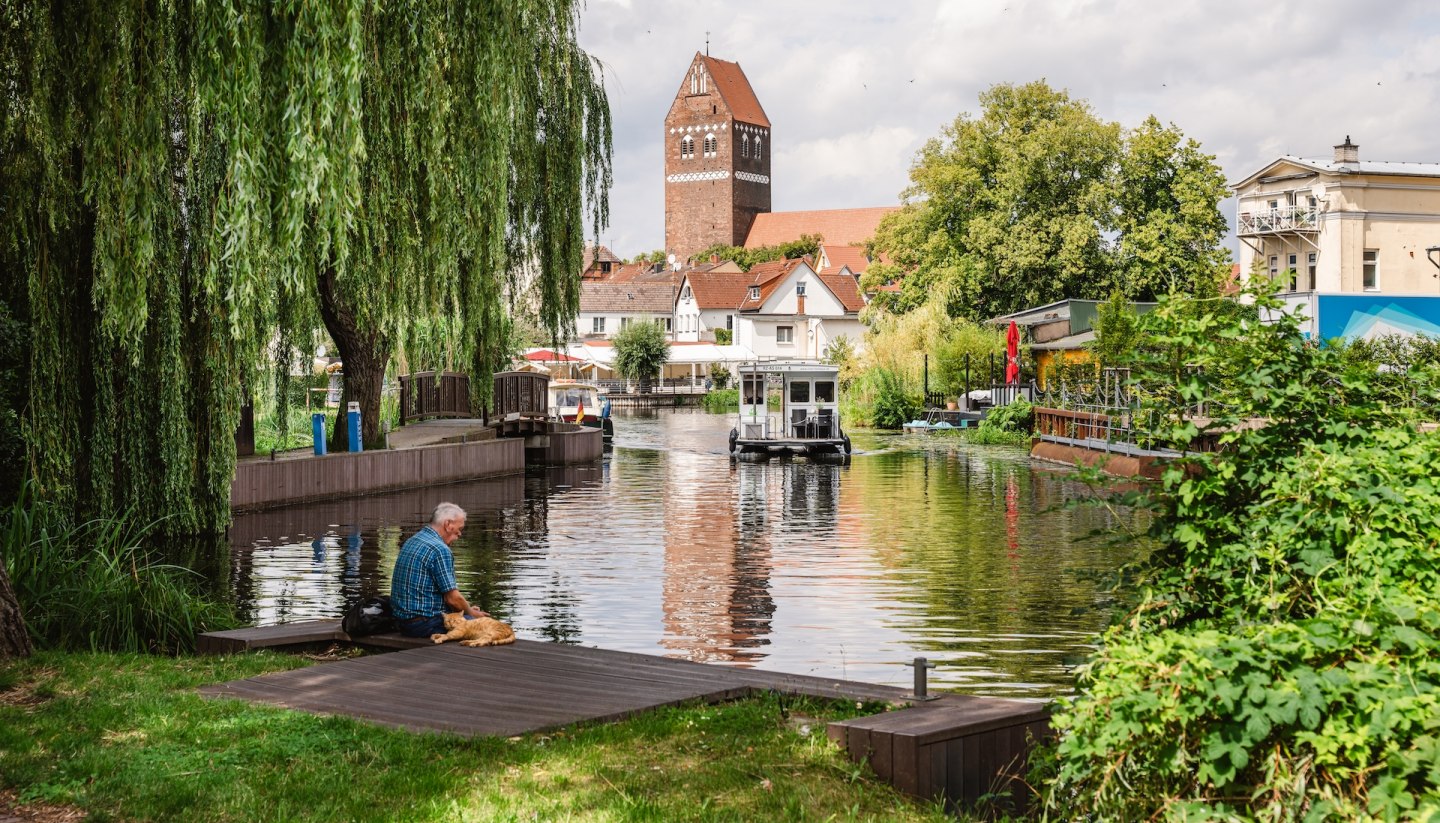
x=667, y=322
x=710, y=145
x=754, y=293
x=730, y=322
x=1294, y=268
x=753, y=389
x=745, y=145
x=758, y=145
x=784, y=334
x=687, y=147
x=1370, y=269
x=624, y=321
x=597, y=325
x=685, y=293
x=605, y=266
x=800, y=289
x=824, y=391
x=1274, y=267
x=800, y=391
x=1310, y=271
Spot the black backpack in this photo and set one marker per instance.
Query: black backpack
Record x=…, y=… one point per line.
x=371, y=615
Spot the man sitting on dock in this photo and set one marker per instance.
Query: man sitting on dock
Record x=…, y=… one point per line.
x=423, y=588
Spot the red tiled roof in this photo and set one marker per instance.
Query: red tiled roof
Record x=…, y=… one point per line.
x=845, y=287
x=768, y=276
x=627, y=298
x=735, y=90
x=718, y=290
x=843, y=227
x=851, y=256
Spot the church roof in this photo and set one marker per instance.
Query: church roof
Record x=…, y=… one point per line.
x=843, y=227
x=852, y=257
x=735, y=90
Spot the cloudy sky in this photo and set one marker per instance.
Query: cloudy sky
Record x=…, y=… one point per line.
x=853, y=88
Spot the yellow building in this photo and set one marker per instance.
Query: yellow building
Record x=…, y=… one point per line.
x=1348, y=240
x=1060, y=332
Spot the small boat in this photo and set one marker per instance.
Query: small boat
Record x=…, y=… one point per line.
x=808, y=421
x=573, y=401
x=940, y=420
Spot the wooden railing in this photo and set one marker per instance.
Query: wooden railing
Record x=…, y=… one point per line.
x=1075, y=425
x=434, y=394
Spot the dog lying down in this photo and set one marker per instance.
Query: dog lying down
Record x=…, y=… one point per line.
x=482, y=631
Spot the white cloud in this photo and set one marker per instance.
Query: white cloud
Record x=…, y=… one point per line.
x=853, y=88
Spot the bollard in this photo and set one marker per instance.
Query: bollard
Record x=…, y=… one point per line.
x=352, y=426
x=921, y=690
x=317, y=431
x=385, y=430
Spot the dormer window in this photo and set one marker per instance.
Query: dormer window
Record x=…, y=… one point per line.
x=754, y=293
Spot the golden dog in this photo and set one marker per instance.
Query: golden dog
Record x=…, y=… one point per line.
x=482, y=631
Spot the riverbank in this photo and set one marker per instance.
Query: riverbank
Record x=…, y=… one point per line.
x=127, y=736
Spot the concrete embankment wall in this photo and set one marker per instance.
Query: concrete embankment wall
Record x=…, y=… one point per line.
x=565, y=448
x=261, y=484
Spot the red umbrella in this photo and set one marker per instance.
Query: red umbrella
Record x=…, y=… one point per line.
x=1012, y=354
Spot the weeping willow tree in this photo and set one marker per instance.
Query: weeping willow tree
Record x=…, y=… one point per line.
x=186, y=187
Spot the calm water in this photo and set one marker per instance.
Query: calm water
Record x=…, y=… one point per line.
x=964, y=555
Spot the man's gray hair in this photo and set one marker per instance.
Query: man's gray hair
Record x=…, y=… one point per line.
x=445, y=512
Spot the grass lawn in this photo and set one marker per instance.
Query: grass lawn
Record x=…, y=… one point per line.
x=125, y=737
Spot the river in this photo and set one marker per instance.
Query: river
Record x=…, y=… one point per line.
x=966, y=555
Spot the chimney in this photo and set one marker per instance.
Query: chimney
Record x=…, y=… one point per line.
x=714, y=258
x=1347, y=152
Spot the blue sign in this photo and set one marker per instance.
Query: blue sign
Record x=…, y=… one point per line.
x=1353, y=316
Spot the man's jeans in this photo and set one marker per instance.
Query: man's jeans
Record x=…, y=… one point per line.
x=425, y=626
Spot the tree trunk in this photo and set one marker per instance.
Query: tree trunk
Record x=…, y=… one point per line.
x=14, y=637
x=363, y=354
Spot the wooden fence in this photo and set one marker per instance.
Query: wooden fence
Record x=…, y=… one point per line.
x=434, y=394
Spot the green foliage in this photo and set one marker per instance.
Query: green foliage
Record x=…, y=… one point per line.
x=1038, y=199
x=641, y=350
x=649, y=258
x=719, y=375
x=1117, y=331
x=880, y=398
x=721, y=400
x=1018, y=416
x=748, y=258
x=964, y=339
x=14, y=354
x=1281, y=661
x=183, y=183
x=983, y=435
x=95, y=585
x=723, y=337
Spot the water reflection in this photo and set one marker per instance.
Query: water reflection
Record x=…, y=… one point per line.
x=965, y=556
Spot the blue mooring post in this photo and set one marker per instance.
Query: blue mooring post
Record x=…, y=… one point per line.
x=352, y=426
x=317, y=431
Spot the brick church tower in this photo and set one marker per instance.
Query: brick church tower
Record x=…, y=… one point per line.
x=717, y=158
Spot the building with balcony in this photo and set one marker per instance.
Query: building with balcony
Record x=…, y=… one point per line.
x=1347, y=240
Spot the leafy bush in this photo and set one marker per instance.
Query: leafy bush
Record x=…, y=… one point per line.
x=721, y=400
x=641, y=350
x=95, y=586
x=1018, y=416
x=880, y=398
x=1281, y=661
x=719, y=375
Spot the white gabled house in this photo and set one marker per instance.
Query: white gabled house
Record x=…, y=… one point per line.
x=791, y=311
x=707, y=302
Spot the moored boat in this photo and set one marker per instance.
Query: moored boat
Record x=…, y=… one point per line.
x=808, y=421
x=574, y=401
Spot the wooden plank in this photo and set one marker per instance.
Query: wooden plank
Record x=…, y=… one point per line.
x=904, y=758
x=882, y=751
x=932, y=767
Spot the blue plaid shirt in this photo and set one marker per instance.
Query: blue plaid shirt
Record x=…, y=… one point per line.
x=424, y=571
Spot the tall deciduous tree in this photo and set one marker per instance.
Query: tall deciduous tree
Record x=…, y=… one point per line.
x=1038, y=199
x=640, y=351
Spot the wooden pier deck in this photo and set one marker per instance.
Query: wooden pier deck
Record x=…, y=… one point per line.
x=504, y=690
x=956, y=747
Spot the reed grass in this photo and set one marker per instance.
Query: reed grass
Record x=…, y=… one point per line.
x=98, y=586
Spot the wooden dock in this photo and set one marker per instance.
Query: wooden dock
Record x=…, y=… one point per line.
x=955, y=748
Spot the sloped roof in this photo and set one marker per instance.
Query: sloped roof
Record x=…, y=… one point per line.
x=841, y=227
x=845, y=287
x=549, y=356
x=718, y=290
x=599, y=254
x=627, y=298
x=1376, y=167
x=735, y=90
x=851, y=257
x=769, y=276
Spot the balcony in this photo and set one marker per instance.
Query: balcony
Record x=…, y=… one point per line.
x=1285, y=220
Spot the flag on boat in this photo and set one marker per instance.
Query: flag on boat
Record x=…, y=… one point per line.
x=580, y=412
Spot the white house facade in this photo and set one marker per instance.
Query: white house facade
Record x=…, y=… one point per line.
x=791, y=312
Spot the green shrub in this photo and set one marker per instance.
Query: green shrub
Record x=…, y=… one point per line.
x=1018, y=416
x=722, y=400
x=719, y=375
x=891, y=405
x=95, y=585
x=1281, y=660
